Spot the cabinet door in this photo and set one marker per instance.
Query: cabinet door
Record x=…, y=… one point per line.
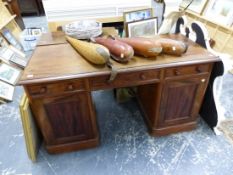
x=181, y=100
x=65, y=118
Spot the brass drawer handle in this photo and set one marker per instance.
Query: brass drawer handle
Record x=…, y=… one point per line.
x=43, y=90
x=203, y=80
x=177, y=72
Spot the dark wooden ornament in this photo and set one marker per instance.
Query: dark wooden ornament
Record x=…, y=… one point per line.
x=208, y=110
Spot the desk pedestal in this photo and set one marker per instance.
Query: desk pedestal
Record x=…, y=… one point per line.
x=174, y=104
x=65, y=115
x=170, y=99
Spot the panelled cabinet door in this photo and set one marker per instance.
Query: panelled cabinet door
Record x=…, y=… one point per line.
x=65, y=118
x=181, y=100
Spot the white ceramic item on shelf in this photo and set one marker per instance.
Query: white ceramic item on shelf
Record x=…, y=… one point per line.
x=84, y=29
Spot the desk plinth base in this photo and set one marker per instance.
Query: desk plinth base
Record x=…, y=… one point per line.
x=73, y=146
x=172, y=129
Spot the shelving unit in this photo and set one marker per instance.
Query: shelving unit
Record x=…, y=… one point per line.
x=6, y=22
x=221, y=34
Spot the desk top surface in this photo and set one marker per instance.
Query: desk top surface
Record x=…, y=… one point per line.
x=60, y=61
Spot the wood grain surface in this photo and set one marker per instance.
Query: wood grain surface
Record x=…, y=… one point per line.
x=62, y=62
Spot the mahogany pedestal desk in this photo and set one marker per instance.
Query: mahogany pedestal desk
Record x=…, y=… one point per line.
x=58, y=82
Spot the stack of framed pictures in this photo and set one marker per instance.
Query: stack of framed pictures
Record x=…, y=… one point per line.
x=6, y=92
x=6, y=33
x=9, y=76
x=12, y=61
x=140, y=23
x=218, y=11
x=9, y=54
x=196, y=6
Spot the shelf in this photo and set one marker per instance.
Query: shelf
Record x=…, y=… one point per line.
x=7, y=21
x=208, y=20
x=221, y=34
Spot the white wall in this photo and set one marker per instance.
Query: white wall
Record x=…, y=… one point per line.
x=172, y=5
x=60, y=10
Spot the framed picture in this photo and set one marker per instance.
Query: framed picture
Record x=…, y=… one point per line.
x=220, y=11
x=11, y=54
x=196, y=6
x=32, y=135
x=3, y=42
x=6, y=33
x=9, y=74
x=36, y=31
x=148, y=27
x=6, y=91
x=19, y=58
x=5, y=54
x=137, y=15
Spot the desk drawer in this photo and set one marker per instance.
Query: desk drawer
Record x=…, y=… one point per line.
x=125, y=79
x=187, y=70
x=56, y=88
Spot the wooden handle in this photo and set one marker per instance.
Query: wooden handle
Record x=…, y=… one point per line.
x=70, y=87
x=43, y=90
x=177, y=72
x=198, y=69
x=142, y=76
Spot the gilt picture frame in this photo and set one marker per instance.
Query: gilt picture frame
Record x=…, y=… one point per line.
x=220, y=11
x=147, y=27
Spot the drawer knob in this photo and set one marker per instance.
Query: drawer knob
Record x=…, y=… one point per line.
x=70, y=87
x=203, y=80
x=177, y=72
x=142, y=76
x=43, y=90
x=198, y=69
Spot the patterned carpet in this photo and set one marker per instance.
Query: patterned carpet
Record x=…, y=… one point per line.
x=126, y=148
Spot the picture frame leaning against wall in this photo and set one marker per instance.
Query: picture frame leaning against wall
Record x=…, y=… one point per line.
x=220, y=11
x=146, y=28
x=136, y=15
